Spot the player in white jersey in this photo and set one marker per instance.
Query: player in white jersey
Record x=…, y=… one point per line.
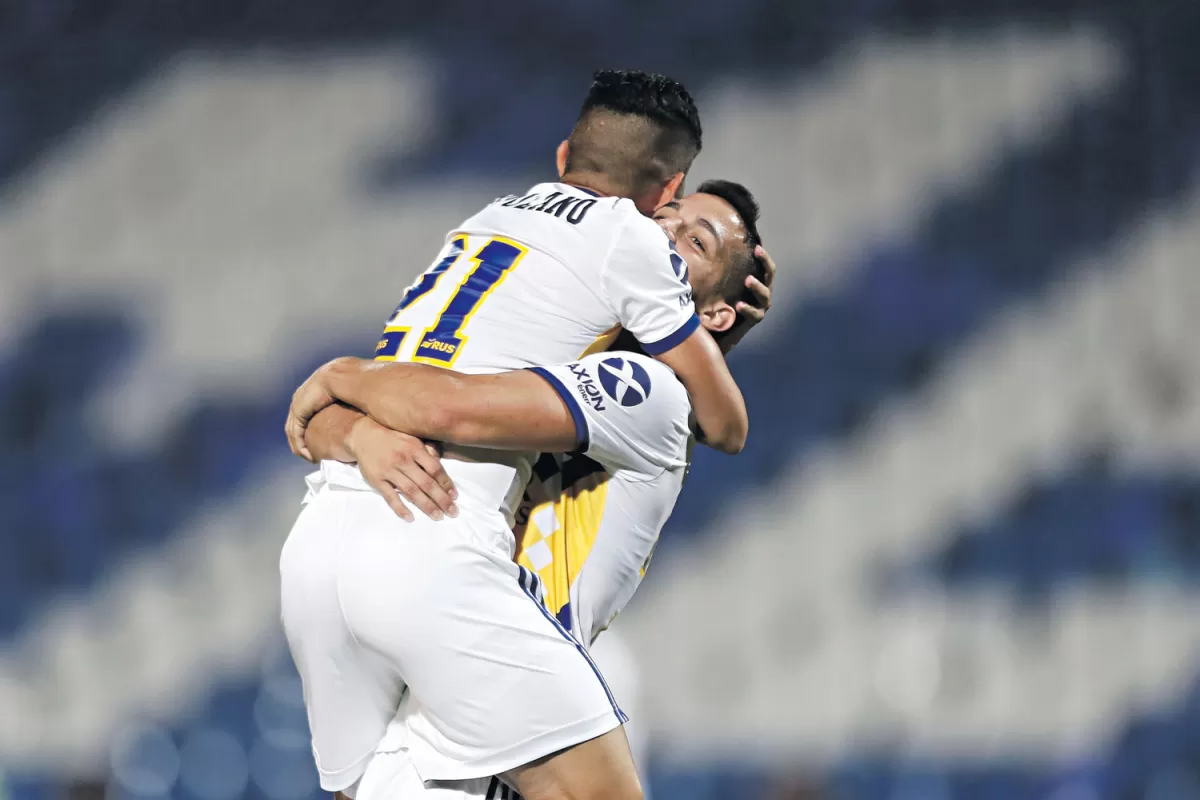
x=589, y=524
x=534, y=279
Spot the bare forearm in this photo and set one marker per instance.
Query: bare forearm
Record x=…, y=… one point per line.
x=509, y=411
x=329, y=433
x=412, y=398
x=512, y=410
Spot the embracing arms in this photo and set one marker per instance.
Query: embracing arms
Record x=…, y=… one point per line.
x=515, y=410
x=354, y=411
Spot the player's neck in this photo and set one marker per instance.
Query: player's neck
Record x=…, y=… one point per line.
x=601, y=185
x=590, y=181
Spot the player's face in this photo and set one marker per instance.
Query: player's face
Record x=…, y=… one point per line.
x=706, y=232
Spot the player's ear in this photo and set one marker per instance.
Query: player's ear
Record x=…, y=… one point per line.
x=718, y=317
x=654, y=199
x=670, y=190
x=561, y=157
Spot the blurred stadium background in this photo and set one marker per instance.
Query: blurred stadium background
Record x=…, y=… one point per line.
x=959, y=557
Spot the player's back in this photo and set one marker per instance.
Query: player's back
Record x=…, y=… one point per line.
x=539, y=278
x=536, y=279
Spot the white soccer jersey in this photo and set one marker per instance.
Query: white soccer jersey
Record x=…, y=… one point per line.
x=539, y=278
x=589, y=522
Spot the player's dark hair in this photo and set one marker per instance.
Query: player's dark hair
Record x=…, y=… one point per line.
x=733, y=285
x=637, y=129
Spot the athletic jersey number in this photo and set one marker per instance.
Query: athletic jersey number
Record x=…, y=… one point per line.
x=442, y=342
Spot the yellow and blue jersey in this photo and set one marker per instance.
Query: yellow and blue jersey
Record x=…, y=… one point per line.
x=589, y=522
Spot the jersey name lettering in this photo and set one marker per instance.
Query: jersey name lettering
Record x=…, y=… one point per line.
x=572, y=209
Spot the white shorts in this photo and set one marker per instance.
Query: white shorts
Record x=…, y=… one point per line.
x=371, y=603
x=390, y=774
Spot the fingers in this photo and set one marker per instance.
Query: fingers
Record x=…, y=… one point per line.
x=761, y=292
x=310, y=398
x=396, y=462
x=306, y=404
x=422, y=487
x=397, y=505
x=295, y=437
x=419, y=495
x=752, y=313
x=388, y=493
x=755, y=312
x=431, y=462
x=768, y=264
x=291, y=440
x=434, y=481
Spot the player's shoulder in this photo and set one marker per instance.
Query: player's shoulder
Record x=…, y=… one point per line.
x=631, y=379
x=639, y=238
x=637, y=227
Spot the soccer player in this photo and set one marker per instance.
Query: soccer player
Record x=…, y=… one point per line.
x=589, y=523
x=533, y=279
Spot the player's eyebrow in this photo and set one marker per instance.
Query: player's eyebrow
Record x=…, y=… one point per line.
x=711, y=229
x=674, y=204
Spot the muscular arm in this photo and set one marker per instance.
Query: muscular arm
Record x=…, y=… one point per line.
x=510, y=411
x=515, y=410
x=717, y=402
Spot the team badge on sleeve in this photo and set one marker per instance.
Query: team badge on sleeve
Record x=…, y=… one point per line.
x=624, y=381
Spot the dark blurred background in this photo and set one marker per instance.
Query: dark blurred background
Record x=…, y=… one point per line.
x=959, y=557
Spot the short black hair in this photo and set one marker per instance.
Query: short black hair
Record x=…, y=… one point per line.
x=636, y=128
x=733, y=284
x=646, y=94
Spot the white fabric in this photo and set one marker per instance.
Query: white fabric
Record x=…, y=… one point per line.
x=635, y=419
x=635, y=410
x=370, y=604
x=391, y=774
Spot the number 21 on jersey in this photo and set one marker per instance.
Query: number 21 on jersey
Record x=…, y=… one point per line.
x=441, y=342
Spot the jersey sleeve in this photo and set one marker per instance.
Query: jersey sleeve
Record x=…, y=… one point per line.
x=630, y=411
x=646, y=282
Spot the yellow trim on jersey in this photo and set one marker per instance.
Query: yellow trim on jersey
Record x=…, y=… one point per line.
x=461, y=241
x=384, y=342
x=577, y=513
x=603, y=341
x=458, y=332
